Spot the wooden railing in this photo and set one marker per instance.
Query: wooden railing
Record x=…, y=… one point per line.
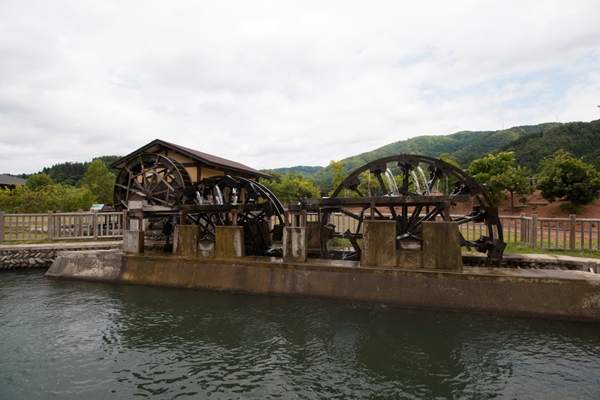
x=570, y=233
x=92, y=225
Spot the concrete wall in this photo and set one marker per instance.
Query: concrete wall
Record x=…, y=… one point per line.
x=553, y=294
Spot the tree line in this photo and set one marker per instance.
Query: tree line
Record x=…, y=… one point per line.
x=41, y=193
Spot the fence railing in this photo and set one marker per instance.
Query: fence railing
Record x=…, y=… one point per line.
x=570, y=233
x=92, y=225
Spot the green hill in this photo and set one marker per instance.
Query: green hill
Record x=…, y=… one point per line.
x=464, y=146
x=300, y=169
x=581, y=139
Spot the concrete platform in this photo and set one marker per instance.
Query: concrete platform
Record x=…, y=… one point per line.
x=570, y=295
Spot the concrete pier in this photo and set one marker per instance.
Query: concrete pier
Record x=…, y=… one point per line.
x=431, y=278
x=295, y=244
x=229, y=242
x=185, y=240
x=441, y=245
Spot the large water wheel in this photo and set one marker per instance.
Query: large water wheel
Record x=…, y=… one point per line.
x=155, y=179
x=408, y=189
x=232, y=200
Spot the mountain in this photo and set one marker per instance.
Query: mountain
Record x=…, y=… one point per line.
x=303, y=170
x=580, y=139
x=464, y=146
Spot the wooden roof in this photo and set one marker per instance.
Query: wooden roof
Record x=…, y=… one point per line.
x=218, y=163
x=7, y=180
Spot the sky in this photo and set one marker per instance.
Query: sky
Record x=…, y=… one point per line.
x=283, y=83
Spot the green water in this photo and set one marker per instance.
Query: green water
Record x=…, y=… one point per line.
x=80, y=340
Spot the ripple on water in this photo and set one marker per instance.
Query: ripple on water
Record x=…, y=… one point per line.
x=78, y=339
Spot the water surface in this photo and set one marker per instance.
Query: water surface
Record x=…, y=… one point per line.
x=76, y=340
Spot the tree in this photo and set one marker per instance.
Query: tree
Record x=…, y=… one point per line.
x=566, y=178
x=498, y=174
x=338, y=175
x=290, y=187
x=515, y=181
x=52, y=197
x=38, y=181
x=100, y=181
x=484, y=169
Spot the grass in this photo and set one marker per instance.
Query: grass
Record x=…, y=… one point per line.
x=523, y=248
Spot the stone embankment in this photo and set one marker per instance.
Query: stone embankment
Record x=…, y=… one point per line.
x=43, y=255
x=536, y=261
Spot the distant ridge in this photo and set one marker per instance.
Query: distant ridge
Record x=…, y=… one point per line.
x=300, y=169
x=464, y=146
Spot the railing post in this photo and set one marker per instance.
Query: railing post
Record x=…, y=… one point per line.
x=523, y=228
x=533, y=232
x=572, y=231
x=2, y=226
x=95, y=225
x=124, y=222
x=50, y=228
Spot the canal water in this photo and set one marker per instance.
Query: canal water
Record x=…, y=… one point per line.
x=81, y=340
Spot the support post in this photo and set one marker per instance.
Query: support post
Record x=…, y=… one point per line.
x=133, y=242
x=294, y=244
x=379, y=244
x=229, y=242
x=441, y=245
x=185, y=240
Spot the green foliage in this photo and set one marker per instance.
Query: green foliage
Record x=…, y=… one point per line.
x=580, y=139
x=71, y=173
x=450, y=159
x=564, y=177
x=100, y=182
x=484, y=169
x=290, y=187
x=38, y=181
x=303, y=170
x=338, y=173
x=515, y=181
x=463, y=147
x=47, y=198
x=497, y=173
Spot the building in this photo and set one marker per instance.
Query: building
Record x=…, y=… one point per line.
x=199, y=165
x=7, y=181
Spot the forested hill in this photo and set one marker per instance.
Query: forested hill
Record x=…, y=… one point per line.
x=300, y=169
x=464, y=146
x=72, y=172
x=580, y=139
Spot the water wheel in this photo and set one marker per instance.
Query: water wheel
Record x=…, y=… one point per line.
x=153, y=178
x=232, y=200
x=408, y=189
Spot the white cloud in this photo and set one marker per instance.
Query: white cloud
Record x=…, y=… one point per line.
x=275, y=84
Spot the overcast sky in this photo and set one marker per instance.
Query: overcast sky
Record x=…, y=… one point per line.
x=284, y=83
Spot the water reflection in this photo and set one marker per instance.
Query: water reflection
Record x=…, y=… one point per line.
x=77, y=339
